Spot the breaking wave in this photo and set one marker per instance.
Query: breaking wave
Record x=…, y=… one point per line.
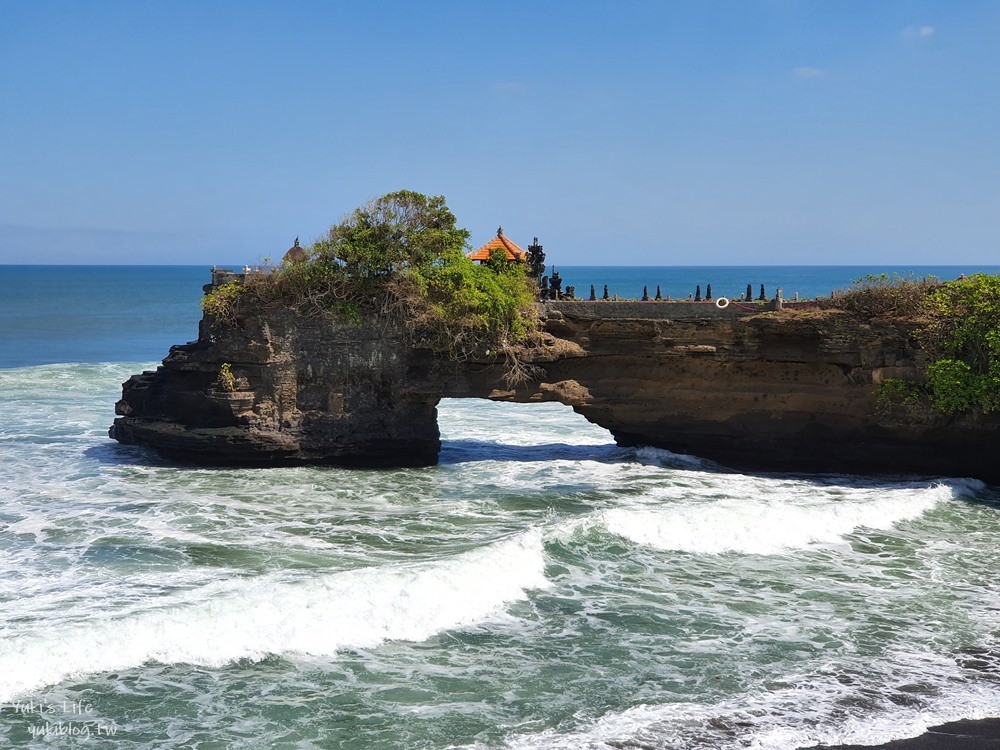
x=774, y=524
x=250, y=619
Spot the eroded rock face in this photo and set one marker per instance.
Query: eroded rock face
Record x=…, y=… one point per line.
x=783, y=391
x=306, y=391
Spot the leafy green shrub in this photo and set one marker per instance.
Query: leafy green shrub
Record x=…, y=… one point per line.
x=226, y=380
x=967, y=320
x=965, y=336
x=469, y=307
x=895, y=392
x=223, y=302
x=953, y=386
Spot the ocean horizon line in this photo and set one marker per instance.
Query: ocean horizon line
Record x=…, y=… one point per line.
x=565, y=265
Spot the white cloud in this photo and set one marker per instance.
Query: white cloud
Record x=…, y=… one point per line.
x=917, y=32
x=807, y=72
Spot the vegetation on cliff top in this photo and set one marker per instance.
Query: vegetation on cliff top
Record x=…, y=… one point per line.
x=400, y=256
x=881, y=295
x=965, y=333
x=960, y=329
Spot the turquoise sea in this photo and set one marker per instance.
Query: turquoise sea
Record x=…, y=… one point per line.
x=540, y=588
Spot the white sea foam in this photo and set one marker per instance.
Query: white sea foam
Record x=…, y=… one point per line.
x=31, y=523
x=250, y=618
x=771, y=524
x=661, y=456
x=817, y=708
x=517, y=424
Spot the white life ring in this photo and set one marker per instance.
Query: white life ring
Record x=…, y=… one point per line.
x=722, y=303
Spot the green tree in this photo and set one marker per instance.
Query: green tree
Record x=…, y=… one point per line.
x=398, y=231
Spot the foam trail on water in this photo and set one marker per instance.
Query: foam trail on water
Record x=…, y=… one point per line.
x=655, y=726
x=816, y=711
x=764, y=526
x=248, y=619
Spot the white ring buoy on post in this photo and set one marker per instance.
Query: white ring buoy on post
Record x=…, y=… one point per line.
x=722, y=303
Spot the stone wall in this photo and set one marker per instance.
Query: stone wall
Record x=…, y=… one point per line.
x=652, y=310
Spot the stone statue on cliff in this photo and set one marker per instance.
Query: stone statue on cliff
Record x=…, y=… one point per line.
x=536, y=260
x=555, y=285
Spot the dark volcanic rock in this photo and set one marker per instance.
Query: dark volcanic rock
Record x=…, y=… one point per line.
x=306, y=392
x=967, y=734
x=789, y=390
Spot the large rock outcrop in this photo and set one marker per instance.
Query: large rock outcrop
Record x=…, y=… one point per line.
x=788, y=390
x=306, y=391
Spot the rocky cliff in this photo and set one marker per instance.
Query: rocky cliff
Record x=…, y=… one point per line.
x=305, y=391
x=787, y=390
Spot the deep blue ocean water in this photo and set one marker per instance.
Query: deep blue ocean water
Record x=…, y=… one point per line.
x=52, y=314
x=540, y=588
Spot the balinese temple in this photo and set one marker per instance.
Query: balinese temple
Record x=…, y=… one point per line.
x=500, y=242
x=295, y=254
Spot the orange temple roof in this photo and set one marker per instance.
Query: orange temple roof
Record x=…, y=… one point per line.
x=500, y=242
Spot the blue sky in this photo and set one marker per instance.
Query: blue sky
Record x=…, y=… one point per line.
x=666, y=133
